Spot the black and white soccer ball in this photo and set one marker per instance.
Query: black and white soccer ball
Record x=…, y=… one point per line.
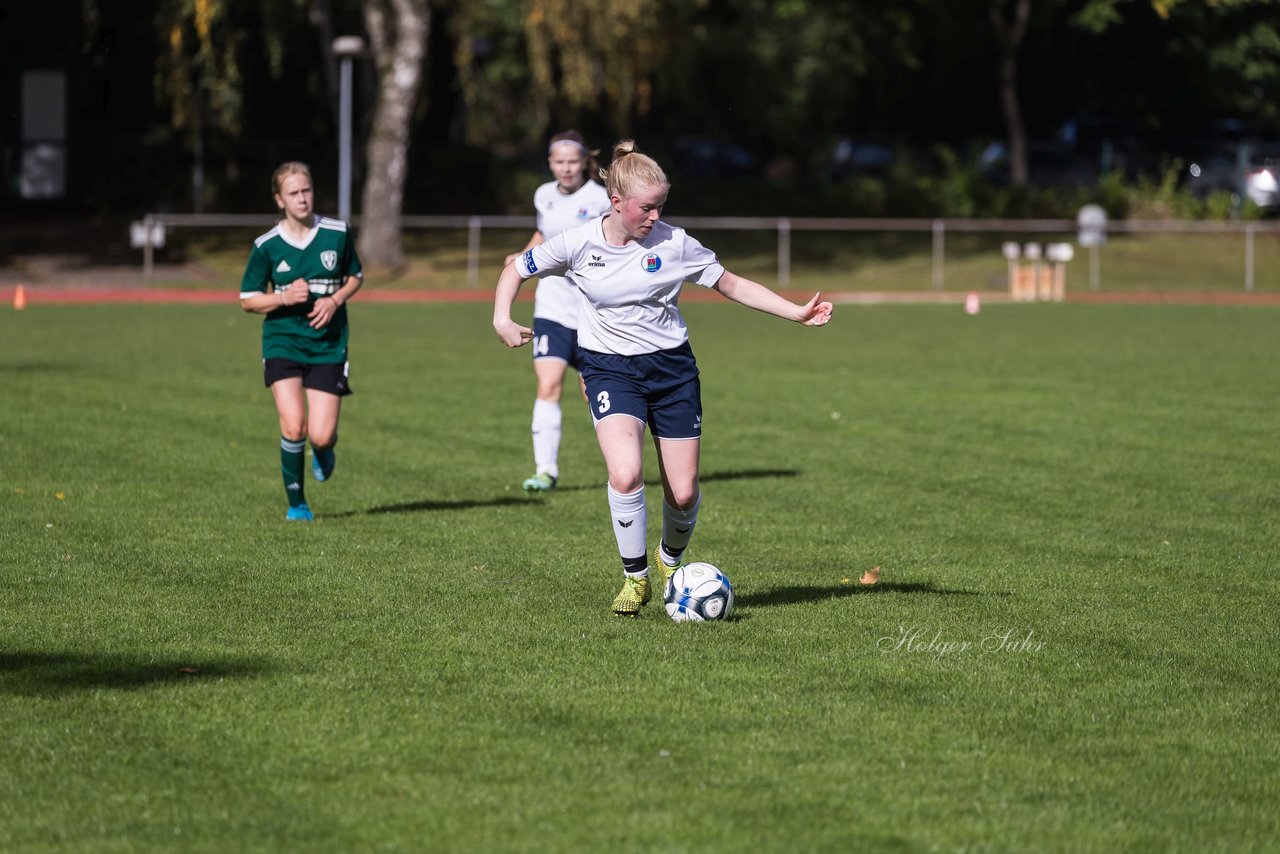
x=698, y=592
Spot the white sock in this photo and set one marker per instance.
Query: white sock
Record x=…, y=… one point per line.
x=546, y=437
x=629, y=520
x=677, y=529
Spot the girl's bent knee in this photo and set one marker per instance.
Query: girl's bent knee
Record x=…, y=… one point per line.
x=625, y=485
x=684, y=499
x=322, y=440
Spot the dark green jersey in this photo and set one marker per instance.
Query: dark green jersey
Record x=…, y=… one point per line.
x=325, y=259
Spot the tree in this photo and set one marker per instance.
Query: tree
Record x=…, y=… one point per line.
x=491, y=56
x=398, y=31
x=1009, y=34
x=200, y=76
x=1226, y=54
x=523, y=64
x=787, y=78
x=226, y=71
x=595, y=51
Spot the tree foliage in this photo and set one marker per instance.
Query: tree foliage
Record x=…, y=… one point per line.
x=525, y=64
x=491, y=58
x=798, y=71
x=594, y=51
x=785, y=78
x=199, y=72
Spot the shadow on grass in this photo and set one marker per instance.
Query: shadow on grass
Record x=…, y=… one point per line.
x=712, y=477
x=746, y=474
x=38, y=367
x=54, y=674
x=507, y=500
x=799, y=594
x=429, y=506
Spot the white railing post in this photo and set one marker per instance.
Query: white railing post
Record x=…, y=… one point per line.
x=784, y=252
x=938, y=252
x=1248, y=258
x=473, y=252
x=148, y=250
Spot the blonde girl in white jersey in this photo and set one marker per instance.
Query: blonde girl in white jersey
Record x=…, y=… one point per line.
x=567, y=202
x=638, y=369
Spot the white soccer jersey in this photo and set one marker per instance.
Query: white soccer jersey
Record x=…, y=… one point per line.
x=628, y=294
x=555, y=298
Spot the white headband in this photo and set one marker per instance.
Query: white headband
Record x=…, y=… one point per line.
x=574, y=143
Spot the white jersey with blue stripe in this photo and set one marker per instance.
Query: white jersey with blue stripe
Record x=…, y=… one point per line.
x=628, y=294
x=556, y=299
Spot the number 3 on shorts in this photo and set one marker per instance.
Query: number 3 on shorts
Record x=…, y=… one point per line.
x=602, y=402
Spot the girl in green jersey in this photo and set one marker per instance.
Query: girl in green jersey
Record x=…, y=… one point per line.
x=300, y=275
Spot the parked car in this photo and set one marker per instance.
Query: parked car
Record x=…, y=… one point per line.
x=1261, y=184
x=705, y=157
x=853, y=156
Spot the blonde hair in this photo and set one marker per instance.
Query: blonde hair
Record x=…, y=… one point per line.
x=631, y=170
x=284, y=170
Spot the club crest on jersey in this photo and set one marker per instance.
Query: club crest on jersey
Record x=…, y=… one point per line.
x=528, y=262
x=583, y=213
x=329, y=258
x=651, y=263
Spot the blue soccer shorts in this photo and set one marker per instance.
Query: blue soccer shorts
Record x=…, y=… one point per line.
x=553, y=340
x=661, y=389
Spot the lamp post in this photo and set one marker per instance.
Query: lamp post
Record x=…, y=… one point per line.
x=346, y=48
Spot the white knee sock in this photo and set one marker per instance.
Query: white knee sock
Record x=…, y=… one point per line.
x=677, y=529
x=629, y=519
x=546, y=437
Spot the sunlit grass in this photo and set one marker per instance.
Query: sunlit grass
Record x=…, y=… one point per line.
x=1071, y=645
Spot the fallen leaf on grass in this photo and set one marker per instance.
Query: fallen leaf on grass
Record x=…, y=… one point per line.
x=190, y=671
x=871, y=576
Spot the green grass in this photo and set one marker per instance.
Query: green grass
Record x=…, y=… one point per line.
x=432, y=664
x=834, y=261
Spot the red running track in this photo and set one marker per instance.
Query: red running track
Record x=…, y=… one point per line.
x=53, y=295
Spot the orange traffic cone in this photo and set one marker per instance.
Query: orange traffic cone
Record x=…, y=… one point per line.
x=19, y=298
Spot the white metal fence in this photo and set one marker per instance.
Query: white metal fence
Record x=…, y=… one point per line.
x=151, y=230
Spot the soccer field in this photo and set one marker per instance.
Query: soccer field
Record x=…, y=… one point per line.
x=1072, y=645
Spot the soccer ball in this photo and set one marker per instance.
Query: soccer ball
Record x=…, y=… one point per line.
x=698, y=592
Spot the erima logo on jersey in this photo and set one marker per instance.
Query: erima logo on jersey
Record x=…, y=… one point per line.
x=283, y=267
x=651, y=263
x=596, y=261
x=528, y=262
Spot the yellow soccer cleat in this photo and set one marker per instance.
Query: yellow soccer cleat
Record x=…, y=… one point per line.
x=634, y=594
x=540, y=482
x=664, y=568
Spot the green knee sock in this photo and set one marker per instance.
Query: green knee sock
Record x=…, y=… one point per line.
x=292, y=457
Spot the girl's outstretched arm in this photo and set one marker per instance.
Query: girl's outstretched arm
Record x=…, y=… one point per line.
x=757, y=296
